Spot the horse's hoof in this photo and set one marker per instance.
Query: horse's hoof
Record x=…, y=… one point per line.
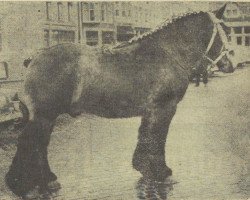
x=32, y=194
x=54, y=186
x=157, y=173
x=152, y=168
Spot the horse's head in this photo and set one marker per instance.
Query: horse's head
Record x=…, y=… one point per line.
x=218, y=52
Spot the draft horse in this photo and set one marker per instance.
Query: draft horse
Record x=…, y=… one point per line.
x=146, y=77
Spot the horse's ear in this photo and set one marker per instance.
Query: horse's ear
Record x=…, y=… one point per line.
x=219, y=13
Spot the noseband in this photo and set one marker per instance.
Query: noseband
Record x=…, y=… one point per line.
x=217, y=29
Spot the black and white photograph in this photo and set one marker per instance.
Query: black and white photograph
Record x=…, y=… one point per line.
x=125, y=100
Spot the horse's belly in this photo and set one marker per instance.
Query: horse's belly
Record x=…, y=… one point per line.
x=106, y=107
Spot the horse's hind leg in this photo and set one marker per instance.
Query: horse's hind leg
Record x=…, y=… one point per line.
x=30, y=166
x=149, y=156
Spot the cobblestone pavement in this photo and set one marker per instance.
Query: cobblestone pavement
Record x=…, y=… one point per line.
x=207, y=149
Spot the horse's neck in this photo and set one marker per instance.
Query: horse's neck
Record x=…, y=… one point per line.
x=181, y=42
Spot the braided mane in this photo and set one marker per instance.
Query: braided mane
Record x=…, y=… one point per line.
x=158, y=28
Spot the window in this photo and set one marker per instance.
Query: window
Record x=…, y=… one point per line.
x=1, y=42
x=59, y=36
x=60, y=11
x=235, y=12
x=239, y=40
x=70, y=6
x=229, y=12
x=103, y=15
x=124, y=13
x=107, y=37
x=117, y=12
x=247, y=41
x=91, y=12
x=129, y=13
x=92, y=38
x=247, y=29
x=3, y=70
x=85, y=12
x=66, y=36
x=48, y=14
x=238, y=30
x=92, y=15
x=71, y=36
x=54, y=38
x=46, y=38
x=103, y=12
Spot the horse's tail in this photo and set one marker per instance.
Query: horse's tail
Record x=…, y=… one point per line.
x=24, y=108
x=25, y=112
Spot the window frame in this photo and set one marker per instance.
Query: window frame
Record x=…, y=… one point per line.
x=5, y=66
x=239, y=40
x=60, y=11
x=48, y=7
x=70, y=8
x=91, y=11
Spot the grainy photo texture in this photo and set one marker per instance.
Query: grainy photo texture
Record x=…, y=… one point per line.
x=124, y=100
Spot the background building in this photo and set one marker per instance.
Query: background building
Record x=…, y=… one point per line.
x=27, y=27
x=110, y=22
x=97, y=23
x=237, y=17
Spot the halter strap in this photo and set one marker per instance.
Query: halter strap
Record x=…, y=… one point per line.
x=217, y=29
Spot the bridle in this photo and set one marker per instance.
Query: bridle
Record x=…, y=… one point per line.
x=216, y=30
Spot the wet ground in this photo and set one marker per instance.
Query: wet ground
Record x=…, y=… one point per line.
x=208, y=150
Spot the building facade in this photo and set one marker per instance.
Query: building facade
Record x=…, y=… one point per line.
x=27, y=27
x=110, y=22
x=237, y=17
x=97, y=23
x=60, y=22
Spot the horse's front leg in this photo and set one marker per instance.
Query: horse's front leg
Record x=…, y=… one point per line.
x=149, y=156
x=30, y=167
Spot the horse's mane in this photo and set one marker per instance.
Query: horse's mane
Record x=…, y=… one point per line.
x=131, y=45
x=164, y=25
